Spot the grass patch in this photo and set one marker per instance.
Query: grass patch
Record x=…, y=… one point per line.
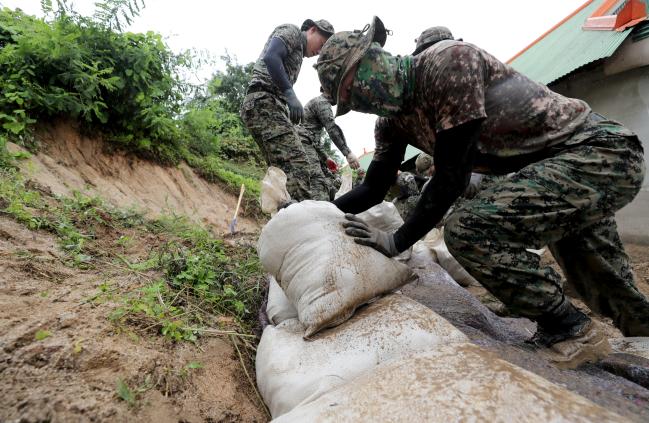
x=195, y=284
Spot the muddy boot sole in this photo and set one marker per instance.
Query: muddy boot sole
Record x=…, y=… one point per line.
x=588, y=347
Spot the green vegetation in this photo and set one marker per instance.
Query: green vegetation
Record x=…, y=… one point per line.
x=195, y=283
x=126, y=87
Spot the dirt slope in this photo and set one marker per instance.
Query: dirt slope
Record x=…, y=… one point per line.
x=69, y=161
x=71, y=374
x=61, y=356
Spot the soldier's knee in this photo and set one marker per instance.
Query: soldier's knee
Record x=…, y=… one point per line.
x=454, y=232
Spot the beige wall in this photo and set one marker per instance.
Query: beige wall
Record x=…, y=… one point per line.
x=623, y=97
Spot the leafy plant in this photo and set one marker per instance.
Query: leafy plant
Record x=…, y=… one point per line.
x=42, y=334
x=125, y=393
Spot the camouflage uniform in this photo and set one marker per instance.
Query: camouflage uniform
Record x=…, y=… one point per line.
x=408, y=196
x=572, y=171
x=318, y=116
x=265, y=113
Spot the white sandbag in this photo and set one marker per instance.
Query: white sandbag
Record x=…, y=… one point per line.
x=322, y=271
x=273, y=190
x=435, y=241
x=291, y=371
x=383, y=216
x=278, y=308
x=386, y=217
x=637, y=345
x=459, y=382
x=346, y=183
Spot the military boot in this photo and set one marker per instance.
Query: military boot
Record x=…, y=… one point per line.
x=569, y=338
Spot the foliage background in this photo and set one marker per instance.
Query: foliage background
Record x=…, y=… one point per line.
x=126, y=87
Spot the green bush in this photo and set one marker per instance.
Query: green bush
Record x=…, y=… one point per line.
x=123, y=84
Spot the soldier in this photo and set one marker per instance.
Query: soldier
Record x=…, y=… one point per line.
x=432, y=36
x=271, y=105
x=318, y=115
x=408, y=195
x=572, y=170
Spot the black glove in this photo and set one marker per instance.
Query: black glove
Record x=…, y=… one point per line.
x=296, y=111
x=364, y=234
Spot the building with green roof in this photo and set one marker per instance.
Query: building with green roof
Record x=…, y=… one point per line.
x=600, y=53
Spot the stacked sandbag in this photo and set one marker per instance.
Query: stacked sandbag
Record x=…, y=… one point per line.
x=458, y=382
x=322, y=271
x=273, y=190
x=291, y=371
x=278, y=307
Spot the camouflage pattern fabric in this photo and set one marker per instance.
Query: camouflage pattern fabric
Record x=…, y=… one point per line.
x=431, y=36
x=333, y=179
x=319, y=185
x=266, y=117
x=318, y=116
x=295, y=42
x=567, y=202
x=408, y=196
x=457, y=82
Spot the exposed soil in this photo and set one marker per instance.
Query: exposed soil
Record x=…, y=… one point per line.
x=72, y=373
x=61, y=356
x=69, y=161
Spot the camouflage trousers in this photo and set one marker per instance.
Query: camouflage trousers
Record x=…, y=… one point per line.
x=320, y=185
x=266, y=117
x=332, y=179
x=566, y=202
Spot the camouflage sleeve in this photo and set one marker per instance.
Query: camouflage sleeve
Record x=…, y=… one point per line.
x=457, y=86
x=326, y=117
x=290, y=36
x=390, y=140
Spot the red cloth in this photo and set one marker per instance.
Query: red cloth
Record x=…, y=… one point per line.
x=332, y=165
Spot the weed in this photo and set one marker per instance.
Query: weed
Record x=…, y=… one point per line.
x=42, y=334
x=125, y=393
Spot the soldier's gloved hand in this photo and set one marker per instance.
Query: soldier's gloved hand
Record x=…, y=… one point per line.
x=353, y=161
x=296, y=111
x=364, y=234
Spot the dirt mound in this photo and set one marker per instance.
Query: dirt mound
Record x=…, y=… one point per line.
x=61, y=357
x=69, y=161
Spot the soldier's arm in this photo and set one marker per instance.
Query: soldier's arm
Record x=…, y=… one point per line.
x=380, y=177
x=455, y=151
x=390, y=149
x=274, y=60
x=326, y=117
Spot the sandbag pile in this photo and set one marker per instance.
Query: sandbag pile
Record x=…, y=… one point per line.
x=291, y=371
x=323, y=272
x=452, y=383
x=395, y=359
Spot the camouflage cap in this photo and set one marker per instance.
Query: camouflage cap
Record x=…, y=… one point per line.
x=340, y=53
x=407, y=184
x=323, y=25
x=423, y=163
x=431, y=36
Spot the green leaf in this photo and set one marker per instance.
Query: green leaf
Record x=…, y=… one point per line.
x=14, y=127
x=124, y=392
x=194, y=365
x=42, y=334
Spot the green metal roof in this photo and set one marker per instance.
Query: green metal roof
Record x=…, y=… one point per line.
x=567, y=48
x=366, y=158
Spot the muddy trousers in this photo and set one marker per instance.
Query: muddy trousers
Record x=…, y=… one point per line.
x=266, y=117
x=320, y=185
x=566, y=202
